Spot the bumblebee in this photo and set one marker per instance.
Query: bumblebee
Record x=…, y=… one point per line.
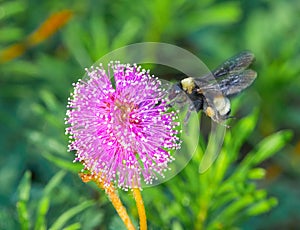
x=210, y=92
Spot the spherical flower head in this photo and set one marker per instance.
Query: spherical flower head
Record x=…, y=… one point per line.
x=122, y=128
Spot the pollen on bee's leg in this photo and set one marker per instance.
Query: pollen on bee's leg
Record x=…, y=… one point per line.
x=210, y=112
x=188, y=84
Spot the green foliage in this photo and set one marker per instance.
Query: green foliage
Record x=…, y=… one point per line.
x=225, y=195
x=44, y=205
x=24, y=189
x=232, y=193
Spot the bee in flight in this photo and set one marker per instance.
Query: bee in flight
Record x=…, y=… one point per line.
x=210, y=92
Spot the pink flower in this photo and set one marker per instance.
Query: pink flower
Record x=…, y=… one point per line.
x=122, y=129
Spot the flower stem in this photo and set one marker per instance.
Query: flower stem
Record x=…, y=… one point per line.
x=113, y=196
x=121, y=210
x=140, y=207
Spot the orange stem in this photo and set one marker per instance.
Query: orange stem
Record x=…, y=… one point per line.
x=12, y=52
x=50, y=26
x=113, y=196
x=140, y=207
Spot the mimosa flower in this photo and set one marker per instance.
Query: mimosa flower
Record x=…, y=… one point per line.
x=122, y=128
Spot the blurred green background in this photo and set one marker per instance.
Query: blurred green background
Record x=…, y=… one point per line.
x=35, y=85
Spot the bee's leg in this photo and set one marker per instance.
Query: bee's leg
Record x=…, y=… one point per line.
x=182, y=100
x=191, y=108
x=178, y=102
x=170, y=105
x=207, y=109
x=187, y=117
x=213, y=114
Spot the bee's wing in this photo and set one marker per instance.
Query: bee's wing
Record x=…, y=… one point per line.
x=230, y=84
x=231, y=77
x=234, y=83
x=235, y=64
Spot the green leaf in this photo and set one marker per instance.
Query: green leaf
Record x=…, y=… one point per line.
x=24, y=193
x=128, y=33
x=224, y=13
x=224, y=199
x=62, y=163
x=45, y=200
x=11, y=8
x=49, y=100
x=66, y=216
x=40, y=223
x=20, y=70
x=50, y=143
x=261, y=207
x=242, y=130
x=265, y=149
x=74, y=226
x=55, y=181
x=75, y=44
x=99, y=35
x=24, y=187
x=229, y=215
x=9, y=34
x=257, y=173
x=270, y=146
x=23, y=215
